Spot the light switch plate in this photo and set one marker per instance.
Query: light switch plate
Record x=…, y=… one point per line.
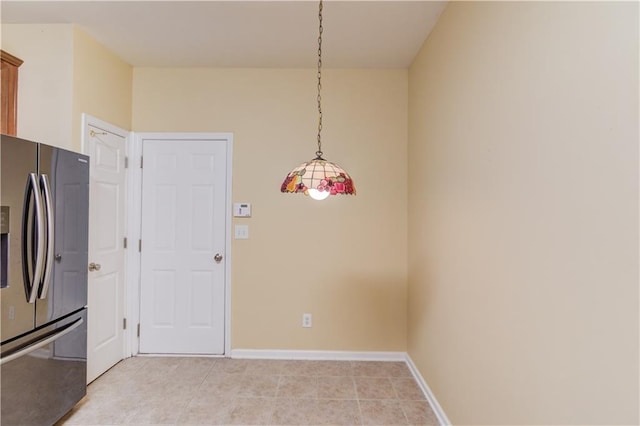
x=242, y=232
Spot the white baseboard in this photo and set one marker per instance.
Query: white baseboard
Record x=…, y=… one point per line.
x=437, y=409
x=317, y=355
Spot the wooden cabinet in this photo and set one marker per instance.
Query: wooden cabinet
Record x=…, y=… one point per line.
x=9, y=93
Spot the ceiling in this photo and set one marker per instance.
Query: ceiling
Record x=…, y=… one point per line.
x=272, y=34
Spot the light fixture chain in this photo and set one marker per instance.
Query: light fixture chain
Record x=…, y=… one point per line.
x=319, y=152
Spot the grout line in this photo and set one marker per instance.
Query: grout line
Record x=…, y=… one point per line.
x=355, y=390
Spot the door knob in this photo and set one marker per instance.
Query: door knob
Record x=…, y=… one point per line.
x=58, y=257
x=94, y=266
x=217, y=258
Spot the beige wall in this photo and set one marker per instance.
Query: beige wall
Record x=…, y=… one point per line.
x=66, y=73
x=523, y=175
x=102, y=85
x=45, y=80
x=343, y=259
x=523, y=213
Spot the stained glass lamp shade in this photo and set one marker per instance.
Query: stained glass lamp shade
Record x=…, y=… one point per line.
x=318, y=178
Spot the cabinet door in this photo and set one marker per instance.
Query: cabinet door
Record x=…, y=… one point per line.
x=9, y=93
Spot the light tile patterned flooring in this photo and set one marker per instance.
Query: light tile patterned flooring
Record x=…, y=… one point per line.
x=210, y=391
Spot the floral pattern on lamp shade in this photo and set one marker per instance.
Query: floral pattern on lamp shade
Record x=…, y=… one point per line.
x=318, y=174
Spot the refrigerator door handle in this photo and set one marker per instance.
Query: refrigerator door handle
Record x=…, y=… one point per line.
x=49, y=255
x=35, y=346
x=31, y=282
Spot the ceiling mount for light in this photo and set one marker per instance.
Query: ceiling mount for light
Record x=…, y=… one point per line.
x=319, y=178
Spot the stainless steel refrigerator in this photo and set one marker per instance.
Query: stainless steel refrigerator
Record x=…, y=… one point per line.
x=44, y=205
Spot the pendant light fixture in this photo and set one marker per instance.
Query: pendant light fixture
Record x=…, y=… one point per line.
x=319, y=178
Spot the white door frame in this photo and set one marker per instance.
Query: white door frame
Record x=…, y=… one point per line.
x=89, y=120
x=134, y=214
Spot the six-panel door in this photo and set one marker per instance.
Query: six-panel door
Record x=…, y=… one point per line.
x=183, y=229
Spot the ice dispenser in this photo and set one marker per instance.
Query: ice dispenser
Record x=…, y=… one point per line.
x=4, y=245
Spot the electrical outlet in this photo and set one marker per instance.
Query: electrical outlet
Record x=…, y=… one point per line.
x=306, y=320
x=12, y=312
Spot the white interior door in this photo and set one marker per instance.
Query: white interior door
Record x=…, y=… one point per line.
x=182, y=297
x=105, y=338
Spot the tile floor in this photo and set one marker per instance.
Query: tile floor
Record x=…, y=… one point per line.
x=210, y=391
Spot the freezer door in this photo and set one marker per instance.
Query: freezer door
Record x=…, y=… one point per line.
x=18, y=160
x=44, y=373
x=64, y=182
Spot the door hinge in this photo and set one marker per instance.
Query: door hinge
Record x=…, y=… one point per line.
x=125, y=242
x=138, y=330
x=126, y=162
x=140, y=246
x=124, y=323
x=140, y=162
